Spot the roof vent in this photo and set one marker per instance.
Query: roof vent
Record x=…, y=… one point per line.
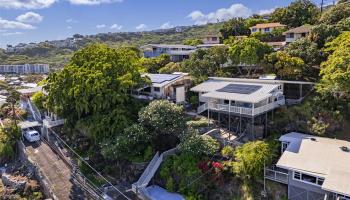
x=313, y=139
x=345, y=149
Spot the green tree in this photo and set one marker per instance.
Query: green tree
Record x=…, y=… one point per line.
x=129, y=145
x=254, y=21
x=298, y=13
x=335, y=72
x=170, y=68
x=249, y=52
x=251, y=158
x=206, y=62
x=284, y=65
x=92, y=89
x=152, y=65
x=323, y=33
x=39, y=99
x=165, y=122
x=193, y=42
x=234, y=27
x=306, y=50
x=336, y=13
x=12, y=98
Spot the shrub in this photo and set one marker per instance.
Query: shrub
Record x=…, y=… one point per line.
x=228, y=151
x=199, y=145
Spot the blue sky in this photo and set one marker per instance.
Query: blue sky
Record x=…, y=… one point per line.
x=39, y=20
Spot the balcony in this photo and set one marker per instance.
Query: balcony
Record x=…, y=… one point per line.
x=276, y=174
x=241, y=110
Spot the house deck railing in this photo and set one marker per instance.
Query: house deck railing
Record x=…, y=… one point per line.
x=276, y=174
x=240, y=110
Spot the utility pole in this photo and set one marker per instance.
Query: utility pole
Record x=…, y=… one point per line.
x=321, y=6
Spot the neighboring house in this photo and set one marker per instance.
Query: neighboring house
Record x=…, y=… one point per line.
x=276, y=45
x=314, y=168
x=296, y=33
x=266, y=28
x=211, y=39
x=242, y=105
x=176, y=52
x=165, y=86
x=25, y=69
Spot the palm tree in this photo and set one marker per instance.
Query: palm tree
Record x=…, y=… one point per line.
x=12, y=98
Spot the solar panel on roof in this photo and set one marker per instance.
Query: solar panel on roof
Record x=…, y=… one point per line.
x=160, y=78
x=240, y=88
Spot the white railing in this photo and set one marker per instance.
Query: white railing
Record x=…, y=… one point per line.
x=151, y=169
x=241, y=110
x=52, y=123
x=276, y=175
x=34, y=110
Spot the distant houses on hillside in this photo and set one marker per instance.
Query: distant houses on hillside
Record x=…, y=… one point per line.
x=266, y=27
x=179, y=52
x=25, y=69
x=296, y=33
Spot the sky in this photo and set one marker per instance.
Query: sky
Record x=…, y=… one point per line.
x=40, y=20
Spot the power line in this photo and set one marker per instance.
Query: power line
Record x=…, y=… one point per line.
x=82, y=159
x=93, y=187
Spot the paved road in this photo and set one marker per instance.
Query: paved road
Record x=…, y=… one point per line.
x=57, y=173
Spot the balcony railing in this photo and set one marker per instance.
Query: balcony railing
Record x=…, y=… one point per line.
x=241, y=110
x=276, y=174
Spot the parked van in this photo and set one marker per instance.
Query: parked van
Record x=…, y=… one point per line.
x=32, y=135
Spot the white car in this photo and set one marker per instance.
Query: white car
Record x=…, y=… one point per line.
x=32, y=135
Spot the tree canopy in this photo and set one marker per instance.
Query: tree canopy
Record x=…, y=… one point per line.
x=335, y=71
x=251, y=158
x=248, y=51
x=234, y=27
x=284, y=65
x=336, y=13
x=92, y=89
x=206, y=62
x=193, y=42
x=298, y=13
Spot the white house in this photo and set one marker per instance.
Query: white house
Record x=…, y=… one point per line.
x=266, y=27
x=165, y=86
x=242, y=105
x=313, y=167
x=296, y=33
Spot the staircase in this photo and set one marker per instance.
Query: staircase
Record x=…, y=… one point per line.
x=151, y=170
x=202, y=108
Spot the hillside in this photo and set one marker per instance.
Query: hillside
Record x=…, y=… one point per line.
x=57, y=57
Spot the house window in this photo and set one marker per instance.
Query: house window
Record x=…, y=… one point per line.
x=320, y=181
x=226, y=102
x=308, y=178
x=297, y=175
x=253, y=29
x=303, y=34
x=266, y=29
x=156, y=89
x=284, y=146
x=214, y=39
x=290, y=35
x=233, y=103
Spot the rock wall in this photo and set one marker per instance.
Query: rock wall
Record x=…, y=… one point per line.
x=45, y=187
